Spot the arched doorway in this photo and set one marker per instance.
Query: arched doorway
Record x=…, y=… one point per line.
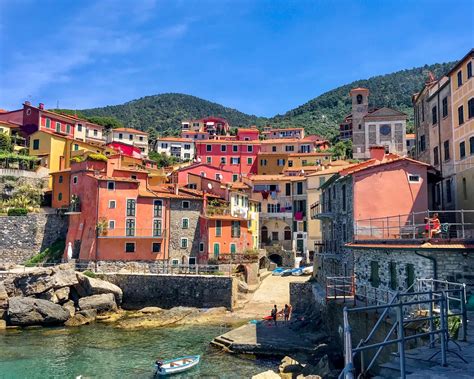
x=264, y=234
x=275, y=258
x=287, y=233
x=262, y=263
x=241, y=272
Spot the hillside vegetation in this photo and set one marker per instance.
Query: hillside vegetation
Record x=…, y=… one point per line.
x=162, y=114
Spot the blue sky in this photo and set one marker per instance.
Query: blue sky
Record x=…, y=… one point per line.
x=261, y=57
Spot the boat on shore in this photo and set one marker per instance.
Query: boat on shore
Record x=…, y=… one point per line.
x=177, y=365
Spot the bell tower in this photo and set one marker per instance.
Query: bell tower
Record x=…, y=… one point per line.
x=360, y=107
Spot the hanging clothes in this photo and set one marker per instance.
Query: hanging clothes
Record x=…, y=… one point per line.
x=298, y=216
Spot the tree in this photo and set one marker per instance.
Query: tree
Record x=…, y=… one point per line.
x=162, y=160
x=5, y=142
x=342, y=149
x=107, y=122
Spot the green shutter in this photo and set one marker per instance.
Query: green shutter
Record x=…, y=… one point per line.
x=216, y=251
x=393, y=275
x=374, y=273
x=410, y=275
x=48, y=123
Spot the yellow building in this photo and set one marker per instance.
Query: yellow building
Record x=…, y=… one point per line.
x=13, y=130
x=274, y=163
x=462, y=105
x=56, y=151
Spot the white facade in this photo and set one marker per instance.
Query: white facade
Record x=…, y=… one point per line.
x=129, y=136
x=180, y=148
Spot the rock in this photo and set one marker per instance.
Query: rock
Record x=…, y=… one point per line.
x=266, y=375
x=64, y=278
x=3, y=324
x=174, y=316
x=82, y=318
x=49, y=295
x=148, y=310
x=25, y=311
x=243, y=287
x=301, y=376
x=62, y=294
x=289, y=368
x=111, y=317
x=70, y=307
x=101, y=303
x=34, y=283
x=3, y=297
x=93, y=286
x=322, y=368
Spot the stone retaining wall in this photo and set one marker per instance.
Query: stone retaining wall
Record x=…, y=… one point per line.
x=301, y=297
x=21, y=237
x=168, y=291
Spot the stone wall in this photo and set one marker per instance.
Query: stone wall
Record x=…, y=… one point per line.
x=192, y=233
x=451, y=265
x=302, y=298
x=167, y=291
x=21, y=237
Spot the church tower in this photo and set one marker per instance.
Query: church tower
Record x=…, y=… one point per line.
x=360, y=108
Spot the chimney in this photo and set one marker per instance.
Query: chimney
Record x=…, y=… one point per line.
x=41, y=106
x=176, y=189
x=27, y=102
x=377, y=152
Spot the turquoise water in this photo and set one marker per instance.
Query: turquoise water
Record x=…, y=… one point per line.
x=101, y=351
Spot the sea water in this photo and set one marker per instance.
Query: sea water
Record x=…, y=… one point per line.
x=102, y=351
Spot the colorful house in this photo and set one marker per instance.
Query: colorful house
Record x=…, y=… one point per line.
x=180, y=148
x=129, y=136
x=180, y=176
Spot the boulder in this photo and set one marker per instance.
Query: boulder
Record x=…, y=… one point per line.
x=289, y=367
x=25, y=311
x=82, y=318
x=64, y=278
x=101, y=303
x=267, y=375
x=3, y=297
x=62, y=294
x=322, y=368
x=49, y=295
x=70, y=307
x=93, y=286
x=3, y=324
x=34, y=283
x=150, y=310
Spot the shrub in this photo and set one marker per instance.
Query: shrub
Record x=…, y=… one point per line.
x=17, y=212
x=77, y=159
x=51, y=254
x=90, y=274
x=97, y=157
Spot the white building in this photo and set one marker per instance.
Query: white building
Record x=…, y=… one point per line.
x=129, y=136
x=181, y=148
x=88, y=132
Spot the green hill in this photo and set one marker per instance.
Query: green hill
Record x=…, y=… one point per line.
x=322, y=115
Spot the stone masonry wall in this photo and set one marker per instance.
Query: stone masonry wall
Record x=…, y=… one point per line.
x=453, y=266
x=192, y=233
x=167, y=291
x=21, y=237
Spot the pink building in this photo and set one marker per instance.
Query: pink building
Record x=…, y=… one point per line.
x=180, y=176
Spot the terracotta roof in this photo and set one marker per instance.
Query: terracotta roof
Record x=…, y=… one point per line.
x=174, y=139
x=281, y=177
x=388, y=159
x=239, y=185
x=247, y=130
x=129, y=130
x=314, y=154
x=456, y=66
x=410, y=136
x=426, y=245
x=385, y=112
x=229, y=141
x=201, y=164
x=304, y=168
x=225, y=217
x=328, y=171
x=9, y=124
x=283, y=129
x=113, y=178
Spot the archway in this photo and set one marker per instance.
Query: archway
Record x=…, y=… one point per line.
x=262, y=263
x=241, y=271
x=275, y=258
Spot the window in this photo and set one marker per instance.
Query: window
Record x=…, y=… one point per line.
x=185, y=204
x=459, y=78
x=343, y=191
x=235, y=230
x=76, y=147
x=60, y=196
x=235, y=177
x=374, y=274
x=164, y=145
x=274, y=149
x=140, y=138
x=203, y=174
x=185, y=223
x=449, y=195
x=120, y=136
x=410, y=276
x=157, y=208
x=461, y=115
x=184, y=243
x=322, y=180
x=58, y=127
x=235, y=148
x=422, y=143
x=95, y=132
x=208, y=160
x=130, y=227
x=48, y=123
x=74, y=180
x=174, y=262
x=423, y=110
x=434, y=115
x=156, y=247
x=192, y=261
x=201, y=246
x=413, y=178
x=445, y=107
x=471, y=145
x=216, y=250
x=263, y=162
x=299, y=188
x=36, y=144
x=134, y=177
x=60, y=179
x=111, y=186
x=393, y=275
x=223, y=148
x=187, y=146
x=111, y=224
x=250, y=148
x=280, y=162
x=470, y=108
x=112, y=204
x=469, y=70
x=130, y=247
x=130, y=137
x=287, y=233
x=157, y=230
x=223, y=160
x=446, y=150
x=131, y=205
x=435, y=156
x=464, y=188
x=68, y=128
x=287, y=189
x=218, y=228
x=249, y=160
x=234, y=160
x=462, y=150
x=289, y=148
x=208, y=147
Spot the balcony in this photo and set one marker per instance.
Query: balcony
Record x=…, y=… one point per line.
x=131, y=233
x=453, y=226
x=320, y=212
x=276, y=216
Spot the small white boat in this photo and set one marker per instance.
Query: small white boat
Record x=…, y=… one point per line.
x=174, y=366
x=308, y=270
x=297, y=272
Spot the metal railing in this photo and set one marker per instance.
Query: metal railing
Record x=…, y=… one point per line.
x=340, y=287
x=403, y=303
x=457, y=224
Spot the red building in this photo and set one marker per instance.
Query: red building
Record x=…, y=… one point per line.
x=180, y=176
x=38, y=118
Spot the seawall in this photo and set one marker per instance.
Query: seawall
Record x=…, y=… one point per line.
x=168, y=291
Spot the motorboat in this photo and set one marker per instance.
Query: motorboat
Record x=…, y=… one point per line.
x=177, y=365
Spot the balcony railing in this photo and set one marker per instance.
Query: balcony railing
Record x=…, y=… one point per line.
x=453, y=225
x=131, y=233
x=318, y=211
x=276, y=215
